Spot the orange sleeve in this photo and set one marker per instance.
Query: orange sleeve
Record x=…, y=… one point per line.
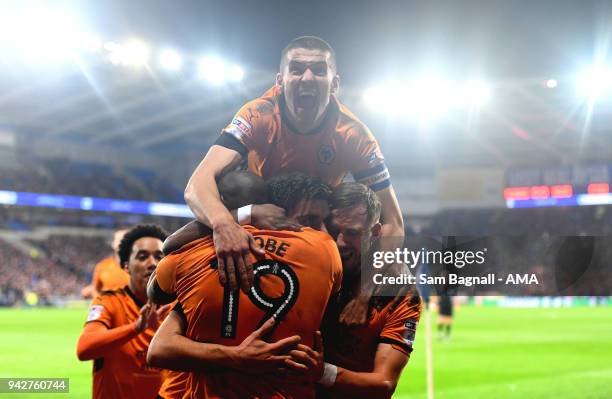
x=365, y=159
x=252, y=124
x=401, y=324
x=98, y=336
x=165, y=273
x=101, y=310
x=96, y=340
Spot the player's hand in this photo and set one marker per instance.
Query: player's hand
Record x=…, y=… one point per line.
x=254, y=355
x=233, y=245
x=147, y=317
x=271, y=217
x=355, y=313
x=150, y=316
x=306, y=363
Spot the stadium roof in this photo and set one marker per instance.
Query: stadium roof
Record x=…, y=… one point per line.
x=515, y=45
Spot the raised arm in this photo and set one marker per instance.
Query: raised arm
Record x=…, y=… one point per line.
x=97, y=339
x=391, y=214
x=232, y=243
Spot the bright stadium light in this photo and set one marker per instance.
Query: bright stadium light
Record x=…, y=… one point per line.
x=551, y=83
x=171, y=60
x=40, y=34
x=235, y=73
x=474, y=93
x=594, y=83
x=134, y=53
x=212, y=69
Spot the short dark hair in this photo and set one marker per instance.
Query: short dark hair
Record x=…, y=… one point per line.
x=134, y=234
x=309, y=43
x=348, y=195
x=288, y=189
x=240, y=188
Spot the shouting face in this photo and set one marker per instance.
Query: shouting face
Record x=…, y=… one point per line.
x=308, y=79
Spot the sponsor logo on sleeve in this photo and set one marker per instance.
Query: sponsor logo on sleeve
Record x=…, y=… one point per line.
x=374, y=157
x=95, y=311
x=410, y=332
x=238, y=128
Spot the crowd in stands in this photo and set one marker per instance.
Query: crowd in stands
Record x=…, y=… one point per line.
x=63, y=176
x=56, y=267
x=62, y=264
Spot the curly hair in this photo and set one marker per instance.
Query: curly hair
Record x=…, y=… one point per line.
x=134, y=234
x=287, y=190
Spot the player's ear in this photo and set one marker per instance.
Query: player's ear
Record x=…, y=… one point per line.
x=279, y=79
x=335, y=84
x=376, y=230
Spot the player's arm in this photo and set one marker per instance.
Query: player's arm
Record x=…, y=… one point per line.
x=97, y=338
x=202, y=194
x=232, y=243
x=391, y=214
x=192, y=231
x=380, y=383
x=170, y=349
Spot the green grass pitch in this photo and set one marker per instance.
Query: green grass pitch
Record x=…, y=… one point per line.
x=494, y=353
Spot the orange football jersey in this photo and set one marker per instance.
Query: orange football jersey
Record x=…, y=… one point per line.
x=108, y=275
x=342, y=144
x=354, y=348
x=293, y=283
x=174, y=385
x=123, y=372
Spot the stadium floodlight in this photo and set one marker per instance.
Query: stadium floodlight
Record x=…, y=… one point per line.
x=133, y=53
x=171, y=60
x=594, y=83
x=551, y=83
x=213, y=70
x=474, y=93
x=40, y=34
x=235, y=73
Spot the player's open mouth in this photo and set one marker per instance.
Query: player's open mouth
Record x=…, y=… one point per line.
x=306, y=100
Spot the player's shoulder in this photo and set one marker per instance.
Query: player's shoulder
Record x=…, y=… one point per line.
x=351, y=127
x=106, y=262
x=407, y=306
x=265, y=105
x=109, y=298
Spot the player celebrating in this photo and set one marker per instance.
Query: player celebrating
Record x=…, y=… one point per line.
x=363, y=361
x=121, y=323
x=298, y=125
x=108, y=275
x=293, y=283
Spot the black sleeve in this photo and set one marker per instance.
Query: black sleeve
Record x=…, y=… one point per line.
x=228, y=141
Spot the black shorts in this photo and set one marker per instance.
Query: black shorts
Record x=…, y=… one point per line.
x=446, y=306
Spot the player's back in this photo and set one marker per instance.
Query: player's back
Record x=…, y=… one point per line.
x=109, y=276
x=293, y=283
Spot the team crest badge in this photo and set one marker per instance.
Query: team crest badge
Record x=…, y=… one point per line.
x=95, y=311
x=326, y=154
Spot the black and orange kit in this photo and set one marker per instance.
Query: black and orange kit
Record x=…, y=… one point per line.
x=293, y=283
x=342, y=144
